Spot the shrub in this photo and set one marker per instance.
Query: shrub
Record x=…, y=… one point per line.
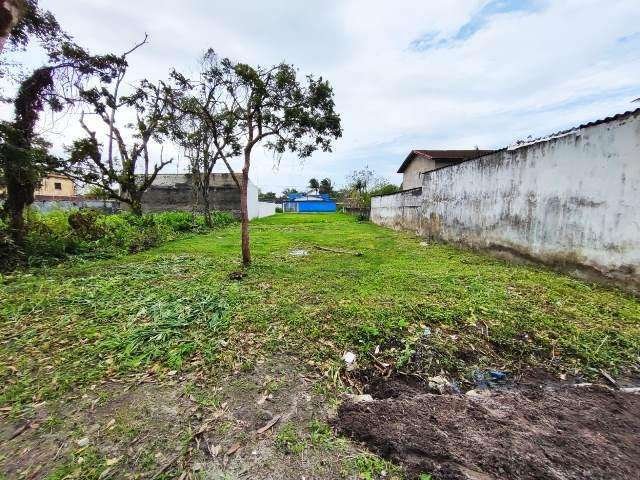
x=85, y=224
x=278, y=209
x=178, y=221
x=10, y=255
x=56, y=235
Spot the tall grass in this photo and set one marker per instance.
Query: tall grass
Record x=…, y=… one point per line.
x=57, y=235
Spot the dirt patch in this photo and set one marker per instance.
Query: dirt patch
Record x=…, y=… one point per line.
x=527, y=432
x=263, y=420
x=129, y=427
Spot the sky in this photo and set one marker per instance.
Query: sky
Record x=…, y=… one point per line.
x=407, y=74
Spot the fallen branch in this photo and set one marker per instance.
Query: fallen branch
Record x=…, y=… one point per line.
x=610, y=379
x=337, y=250
x=19, y=431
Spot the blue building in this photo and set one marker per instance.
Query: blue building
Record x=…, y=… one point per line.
x=308, y=203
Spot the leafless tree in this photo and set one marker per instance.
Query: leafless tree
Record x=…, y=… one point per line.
x=202, y=127
x=117, y=173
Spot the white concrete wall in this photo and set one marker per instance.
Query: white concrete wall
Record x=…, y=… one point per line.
x=572, y=201
x=266, y=209
x=253, y=208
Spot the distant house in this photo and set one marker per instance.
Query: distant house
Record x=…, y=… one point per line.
x=170, y=192
x=421, y=161
x=309, y=202
x=56, y=185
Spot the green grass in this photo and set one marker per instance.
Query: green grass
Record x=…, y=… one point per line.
x=174, y=308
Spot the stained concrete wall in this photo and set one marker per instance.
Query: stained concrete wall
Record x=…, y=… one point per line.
x=51, y=204
x=571, y=201
x=175, y=192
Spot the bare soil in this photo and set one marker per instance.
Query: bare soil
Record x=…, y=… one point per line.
x=531, y=431
x=180, y=427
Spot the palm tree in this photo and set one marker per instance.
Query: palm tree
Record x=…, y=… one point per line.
x=313, y=184
x=326, y=186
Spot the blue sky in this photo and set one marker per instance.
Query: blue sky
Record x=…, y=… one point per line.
x=478, y=20
x=406, y=74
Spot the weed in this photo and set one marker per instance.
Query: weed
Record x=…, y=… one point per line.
x=85, y=465
x=288, y=441
x=322, y=436
x=371, y=467
x=52, y=423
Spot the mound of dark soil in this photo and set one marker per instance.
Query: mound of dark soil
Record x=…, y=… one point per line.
x=522, y=433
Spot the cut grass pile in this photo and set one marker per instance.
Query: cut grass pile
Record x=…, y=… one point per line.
x=430, y=308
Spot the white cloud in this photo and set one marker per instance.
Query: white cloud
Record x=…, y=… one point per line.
x=521, y=71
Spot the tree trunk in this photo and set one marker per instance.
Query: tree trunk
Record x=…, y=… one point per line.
x=136, y=206
x=244, y=212
x=20, y=194
x=206, y=205
x=11, y=15
x=196, y=188
x=16, y=223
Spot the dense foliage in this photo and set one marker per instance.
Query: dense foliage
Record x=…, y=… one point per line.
x=87, y=233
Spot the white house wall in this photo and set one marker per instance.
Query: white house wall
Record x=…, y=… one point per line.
x=571, y=201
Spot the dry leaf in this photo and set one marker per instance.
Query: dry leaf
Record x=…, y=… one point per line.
x=233, y=449
x=271, y=423
x=215, y=450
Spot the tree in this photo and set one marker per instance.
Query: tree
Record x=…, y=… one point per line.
x=326, y=186
x=22, y=21
x=314, y=184
x=87, y=162
x=97, y=193
x=385, y=189
x=360, y=184
x=272, y=107
x=24, y=160
x=201, y=124
x=267, y=197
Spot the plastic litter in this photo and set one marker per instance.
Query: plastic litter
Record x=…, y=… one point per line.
x=442, y=385
x=349, y=358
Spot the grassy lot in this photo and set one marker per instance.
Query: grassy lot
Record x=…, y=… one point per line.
x=174, y=307
x=430, y=308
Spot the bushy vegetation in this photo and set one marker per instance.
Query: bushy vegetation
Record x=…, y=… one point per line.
x=87, y=233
